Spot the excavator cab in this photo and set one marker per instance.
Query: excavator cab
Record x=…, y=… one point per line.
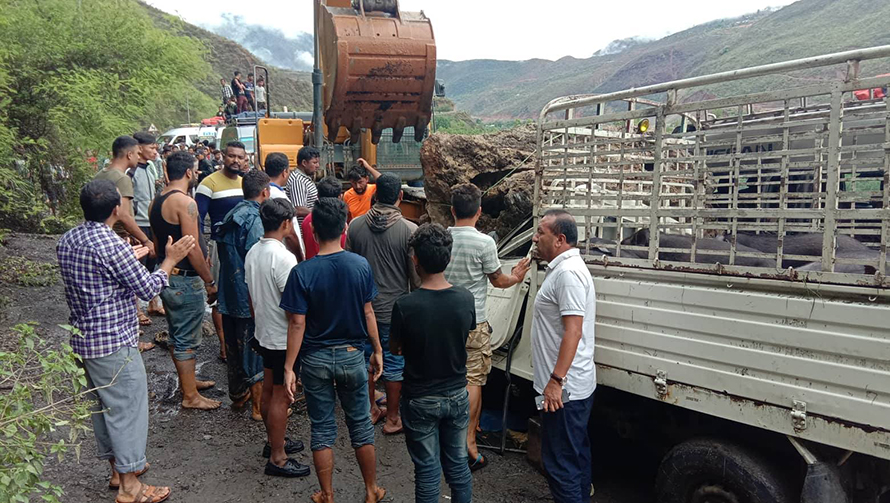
x=378, y=65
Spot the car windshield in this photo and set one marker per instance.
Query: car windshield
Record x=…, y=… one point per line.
x=165, y=139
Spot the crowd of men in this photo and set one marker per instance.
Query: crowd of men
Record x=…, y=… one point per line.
x=329, y=289
x=242, y=95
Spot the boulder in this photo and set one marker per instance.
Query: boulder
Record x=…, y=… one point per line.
x=501, y=164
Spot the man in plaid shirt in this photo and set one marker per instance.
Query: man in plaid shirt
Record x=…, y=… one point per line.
x=102, y=273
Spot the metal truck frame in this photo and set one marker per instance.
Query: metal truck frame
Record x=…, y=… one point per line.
x=802, y=354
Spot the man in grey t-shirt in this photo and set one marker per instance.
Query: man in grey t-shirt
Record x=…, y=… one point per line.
x=381, y=236
x=145, y=182
x=474, y=264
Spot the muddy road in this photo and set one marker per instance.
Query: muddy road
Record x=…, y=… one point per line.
x=216, y=455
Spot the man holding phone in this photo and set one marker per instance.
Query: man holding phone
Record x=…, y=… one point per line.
x=562, y=353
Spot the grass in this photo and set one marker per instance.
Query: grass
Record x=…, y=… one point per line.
x=23, y=272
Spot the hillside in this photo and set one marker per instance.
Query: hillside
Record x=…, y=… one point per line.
x=519, y=89
x=286, y=87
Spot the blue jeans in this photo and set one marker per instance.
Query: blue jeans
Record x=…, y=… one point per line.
x=436, y=437
x=184, y=300
x=329, y=373
x=565, y=451
x=393, y=365
x=244, y=365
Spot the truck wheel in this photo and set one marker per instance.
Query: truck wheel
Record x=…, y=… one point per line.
x=714, y=471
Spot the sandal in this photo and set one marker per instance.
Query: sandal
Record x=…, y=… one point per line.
x=138, y=474
x=380, y=417
x=478, y=464
x=145, y=346
x=380, y=495
x=148, y=494
x=144, y=320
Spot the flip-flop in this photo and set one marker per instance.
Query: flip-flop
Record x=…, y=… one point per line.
x=381, y=417
x=398, y=430
x=381, y=494
x=145, y=346
x=394, y=432
x=381, y=401
x=479, y=463
x=148, y=494
x=144, y=320
x=138, y=474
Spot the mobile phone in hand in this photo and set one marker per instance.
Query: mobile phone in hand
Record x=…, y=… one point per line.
x=539, y=400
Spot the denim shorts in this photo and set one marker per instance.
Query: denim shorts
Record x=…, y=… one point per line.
x=184, y=300
x=393, y=365
x=330, y=373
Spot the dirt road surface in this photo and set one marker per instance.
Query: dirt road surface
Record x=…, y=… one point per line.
x=216, y=456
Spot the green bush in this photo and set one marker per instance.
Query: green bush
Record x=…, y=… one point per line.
x=58, y=225
x=43, y=412
x=73, y=76
x=23, y=272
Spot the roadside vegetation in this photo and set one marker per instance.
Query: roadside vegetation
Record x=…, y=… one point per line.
x=73, y=76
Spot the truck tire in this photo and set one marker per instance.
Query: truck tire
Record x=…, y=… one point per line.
x=715, y=471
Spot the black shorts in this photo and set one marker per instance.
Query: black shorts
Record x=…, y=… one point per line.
x=274, y=359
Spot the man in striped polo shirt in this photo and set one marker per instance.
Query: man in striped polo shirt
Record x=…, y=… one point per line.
x=474, y=264
x=217, y=195
x=300, y=188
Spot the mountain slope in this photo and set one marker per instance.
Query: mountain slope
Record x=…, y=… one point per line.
x=508, y=89
x=286, y=87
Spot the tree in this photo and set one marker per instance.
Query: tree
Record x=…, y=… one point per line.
x=73, y=76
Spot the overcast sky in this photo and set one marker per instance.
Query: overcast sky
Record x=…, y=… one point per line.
x=501, y=29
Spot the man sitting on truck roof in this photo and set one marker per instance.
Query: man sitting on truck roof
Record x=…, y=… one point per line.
x=562, y=356
x=359, y=197
x=474, y=264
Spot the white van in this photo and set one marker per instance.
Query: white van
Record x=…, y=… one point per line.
x=191, y=135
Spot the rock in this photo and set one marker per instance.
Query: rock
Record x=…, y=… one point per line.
x=207, y=329
x=503, y=160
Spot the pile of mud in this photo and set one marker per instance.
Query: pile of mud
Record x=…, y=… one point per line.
x=500, y=164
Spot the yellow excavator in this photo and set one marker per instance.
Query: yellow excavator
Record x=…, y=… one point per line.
x=373, y=81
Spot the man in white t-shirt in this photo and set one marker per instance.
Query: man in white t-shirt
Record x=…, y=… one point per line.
x=277, y=167
x=562, y=354
x=266, y=268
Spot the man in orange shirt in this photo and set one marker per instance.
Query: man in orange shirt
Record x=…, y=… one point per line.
x=358, y=198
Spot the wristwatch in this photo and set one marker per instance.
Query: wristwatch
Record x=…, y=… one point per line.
x=559, y=380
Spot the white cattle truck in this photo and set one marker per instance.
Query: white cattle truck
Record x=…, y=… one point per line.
x=764, y=371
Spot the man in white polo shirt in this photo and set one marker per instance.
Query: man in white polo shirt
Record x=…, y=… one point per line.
x=562, y=354
x=266, y=268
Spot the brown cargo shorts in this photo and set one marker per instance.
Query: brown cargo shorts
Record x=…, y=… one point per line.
x=479, y=355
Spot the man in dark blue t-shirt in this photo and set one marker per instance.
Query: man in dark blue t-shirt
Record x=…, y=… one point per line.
x=328, y=304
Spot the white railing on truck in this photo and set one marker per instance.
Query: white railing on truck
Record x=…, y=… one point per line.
x=786, y=161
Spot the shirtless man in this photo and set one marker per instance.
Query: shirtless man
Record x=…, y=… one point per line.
x=174, y=213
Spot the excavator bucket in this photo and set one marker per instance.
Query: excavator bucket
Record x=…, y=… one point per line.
x=379, y=67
